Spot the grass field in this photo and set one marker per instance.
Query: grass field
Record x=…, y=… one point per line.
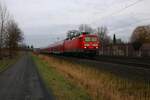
x=62, y=88
x=100, y=85
x=5, y=63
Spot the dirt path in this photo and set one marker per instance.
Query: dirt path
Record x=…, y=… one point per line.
x=22, y=82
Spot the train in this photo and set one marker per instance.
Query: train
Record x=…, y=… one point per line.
x=76, y=43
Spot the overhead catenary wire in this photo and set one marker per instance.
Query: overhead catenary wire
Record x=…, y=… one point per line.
x=120, y=10
x=126, y=7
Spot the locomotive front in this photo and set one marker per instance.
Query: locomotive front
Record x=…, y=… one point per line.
x=90, y=44
x=81, y=43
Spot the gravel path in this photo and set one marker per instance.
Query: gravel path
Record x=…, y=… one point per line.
x=22, y=82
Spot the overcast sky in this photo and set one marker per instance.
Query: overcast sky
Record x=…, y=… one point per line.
x=43, y=21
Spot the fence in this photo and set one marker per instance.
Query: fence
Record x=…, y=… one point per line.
x=125, y=50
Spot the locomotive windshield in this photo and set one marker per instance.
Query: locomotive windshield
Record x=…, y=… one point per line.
x=90, y=39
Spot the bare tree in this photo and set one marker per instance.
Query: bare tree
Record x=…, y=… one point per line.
x=140, y=36
x=103, y=36
x=3, y=20
x=14, y=36
x=104, y=39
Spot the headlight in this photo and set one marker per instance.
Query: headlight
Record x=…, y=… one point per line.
x=86, y=45
x=95, y=45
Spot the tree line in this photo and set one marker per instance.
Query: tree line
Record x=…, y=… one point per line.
x=10, y=33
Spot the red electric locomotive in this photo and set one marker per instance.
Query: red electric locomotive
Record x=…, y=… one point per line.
x=76, y=43
x=81, y=43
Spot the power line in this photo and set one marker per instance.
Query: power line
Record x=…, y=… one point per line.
x=119, y=11
x=128, y=6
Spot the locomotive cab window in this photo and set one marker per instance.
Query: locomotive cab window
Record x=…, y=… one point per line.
x=87, y=39
x=90, y=39
x=93, y=39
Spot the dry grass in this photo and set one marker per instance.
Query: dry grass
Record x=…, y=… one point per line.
x=99, y=84
x=5, y=63
x=62, y=88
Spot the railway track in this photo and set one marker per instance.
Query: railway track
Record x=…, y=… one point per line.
x=127, y=70
x=134, y=62
x=140, y=63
